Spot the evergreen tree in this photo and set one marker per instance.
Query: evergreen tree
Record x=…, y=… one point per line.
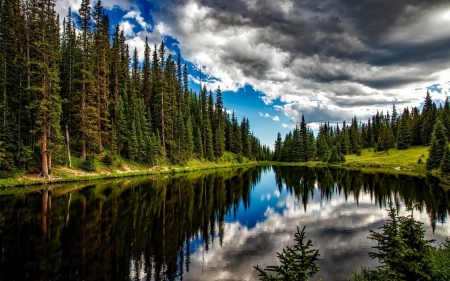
x=438, y=145
x=446, y=117
x=297, y=263
x=86, y=95
x=277, y=149
x=429, y=116
x=45, y=83
x=445, y=163
x=303, y=140
x=385, y=139
x=404, y=134
x=394, y=122
x=323, y=150
x=416, y=131
x=101, y=48
x=311, y=146
x=402, y=249
x=219, y=136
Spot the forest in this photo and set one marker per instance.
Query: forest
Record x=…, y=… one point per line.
x=71, y=85
x=427, y=127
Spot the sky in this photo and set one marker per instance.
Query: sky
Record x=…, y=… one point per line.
x=329, y=60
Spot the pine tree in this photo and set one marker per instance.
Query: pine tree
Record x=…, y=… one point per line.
x=86, y=93
x=322, y=146
x=438, y=144
x=311, y=146
x=445, y=163
x=446, y=117
x=277, y=149
x=303, y=140
x=402, y=249
x=45, y=63
x=404, y=134
x=101, y=48
x=198, y=144
x=297, y=263
x=219, y=136
x=429, y=117
x=394, y=122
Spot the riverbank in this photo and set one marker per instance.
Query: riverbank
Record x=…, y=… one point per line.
x=121, y=169
x=394, y=162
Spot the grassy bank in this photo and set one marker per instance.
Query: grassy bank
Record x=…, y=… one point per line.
x=395, y=162
x=120, y=168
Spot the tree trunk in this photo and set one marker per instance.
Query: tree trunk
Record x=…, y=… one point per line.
x=44, y=158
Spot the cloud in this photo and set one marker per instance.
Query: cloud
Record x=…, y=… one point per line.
x=286, y=126
x=342, y=58
x=267, y=115
x=62, y=6
x=127, y=28
x=137, y=16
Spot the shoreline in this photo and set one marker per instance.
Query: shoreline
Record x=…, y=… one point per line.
x=89, y=177
x=397, y=162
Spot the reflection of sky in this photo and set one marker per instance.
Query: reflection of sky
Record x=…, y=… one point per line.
x=338, y=228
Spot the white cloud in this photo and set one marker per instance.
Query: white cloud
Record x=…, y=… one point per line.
x=286, y=126
x=127, y=28
x=137, y=16
x=267, y=115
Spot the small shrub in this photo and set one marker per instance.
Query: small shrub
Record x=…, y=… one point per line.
x=108, y=160
x=239, y=158
x=420, y=161
x=359, y=152
x=88, y=164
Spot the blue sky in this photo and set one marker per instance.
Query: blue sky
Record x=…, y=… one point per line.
x=276, y=60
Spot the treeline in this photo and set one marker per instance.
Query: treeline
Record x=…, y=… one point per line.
x=429, y=126
x=78, y=85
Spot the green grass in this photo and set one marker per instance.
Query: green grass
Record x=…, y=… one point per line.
x=395, y=162
x=403, y=159
x=122, y=168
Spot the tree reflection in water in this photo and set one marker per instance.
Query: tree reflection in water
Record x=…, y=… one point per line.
x=147, y=229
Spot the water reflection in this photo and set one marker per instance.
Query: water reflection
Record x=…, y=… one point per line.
x=214, y=226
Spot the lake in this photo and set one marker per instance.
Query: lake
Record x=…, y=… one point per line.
x=214, y=225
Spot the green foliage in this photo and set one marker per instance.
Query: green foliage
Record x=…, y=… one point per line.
x=297, y=263
x=441, y=259
x=438, y=144
x=445, y=163
x=108, y=160
x=88, y=164
x=403, y=252
x=404, y=135
x=336, y=155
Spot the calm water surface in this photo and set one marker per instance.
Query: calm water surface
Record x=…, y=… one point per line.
x=210, y=226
